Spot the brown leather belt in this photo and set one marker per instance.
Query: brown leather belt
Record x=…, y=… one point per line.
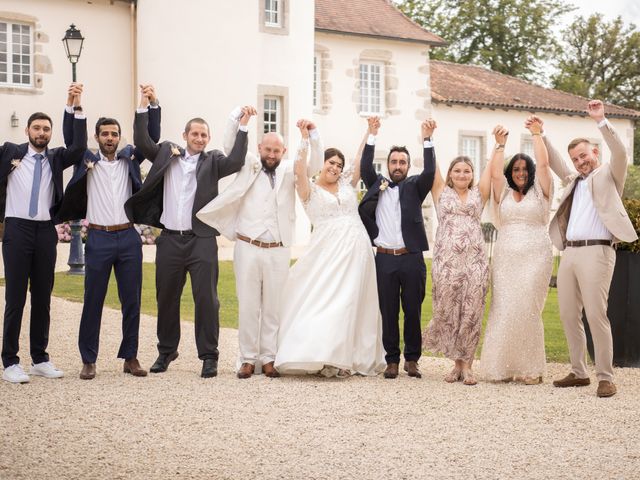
x=588, y=243
x=111, y=228
x=258, y=243
x=391, y=251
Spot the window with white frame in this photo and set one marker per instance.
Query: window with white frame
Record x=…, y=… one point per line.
x=527, y=147
x=316, y=81
x=272, y=114
x=16, y=54
x=273, y=13
x=472, y=148
x=371, y=88
x=377, y=166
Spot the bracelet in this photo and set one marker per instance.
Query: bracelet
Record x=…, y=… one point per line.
x=499, y=146
x=534, y=134
x=77, y=108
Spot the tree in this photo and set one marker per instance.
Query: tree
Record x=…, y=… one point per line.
x=514, y=37
x=601, y=59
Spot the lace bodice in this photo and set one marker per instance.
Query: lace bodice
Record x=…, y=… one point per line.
x=323, y=206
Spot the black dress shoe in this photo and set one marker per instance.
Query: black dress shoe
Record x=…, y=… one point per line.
x=209, y=368
x=163, y=361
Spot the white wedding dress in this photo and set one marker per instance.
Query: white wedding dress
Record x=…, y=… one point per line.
x=329, y=309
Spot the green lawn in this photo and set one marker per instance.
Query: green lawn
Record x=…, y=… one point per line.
x=70, y=287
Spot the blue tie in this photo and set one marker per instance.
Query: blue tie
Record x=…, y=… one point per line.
x=35, y=186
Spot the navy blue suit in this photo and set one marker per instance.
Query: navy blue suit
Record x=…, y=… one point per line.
x=119, y=250
x=29, y=250
x=400, y=278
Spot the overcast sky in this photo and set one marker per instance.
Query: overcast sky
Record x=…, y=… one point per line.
x=628, y=9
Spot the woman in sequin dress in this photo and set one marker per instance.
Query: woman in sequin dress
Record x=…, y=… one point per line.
x=460, y=270
x=513, y=347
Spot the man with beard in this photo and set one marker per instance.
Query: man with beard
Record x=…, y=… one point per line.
x=30, y=198
x=257, y=211
x=179, y=184
x=391, y=211
x=101, y=183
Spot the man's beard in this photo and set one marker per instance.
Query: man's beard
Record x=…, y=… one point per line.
x=38, y=143
x=398, y=179
x=107, y=150
x=268, y=168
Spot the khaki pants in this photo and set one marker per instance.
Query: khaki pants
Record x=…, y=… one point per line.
x=584, y=278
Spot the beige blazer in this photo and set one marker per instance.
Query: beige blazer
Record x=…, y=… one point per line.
x=605, y=183
x=222, y=212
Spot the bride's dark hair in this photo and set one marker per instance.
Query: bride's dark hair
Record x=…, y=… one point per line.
x=333, y=152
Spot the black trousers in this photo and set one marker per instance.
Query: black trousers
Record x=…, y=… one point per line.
x=401, y=278
x=175, y=256
x=122, y=252
x=29, y=255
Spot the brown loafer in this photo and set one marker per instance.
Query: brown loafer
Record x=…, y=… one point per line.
x=132, y=366
x=606, y=389
x=391, y=371
x=411, y=367
x=270, y=371
x=571, y=381
x=246, y=370
x=88, y=371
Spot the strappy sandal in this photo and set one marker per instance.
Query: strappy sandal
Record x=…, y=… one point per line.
x=453, y=376
x=468, y=378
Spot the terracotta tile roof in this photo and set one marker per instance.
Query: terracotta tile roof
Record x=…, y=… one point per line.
x=375, y=18
x=453, y=83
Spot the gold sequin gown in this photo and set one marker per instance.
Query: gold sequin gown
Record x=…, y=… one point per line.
x=514, y=338
x=460, y=274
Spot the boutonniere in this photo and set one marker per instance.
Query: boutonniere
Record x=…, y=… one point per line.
x=15, y=163
x=256, y=167
x=175, y=151
x=383, y=185
x=89, y=164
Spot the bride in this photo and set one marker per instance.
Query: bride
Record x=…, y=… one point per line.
x=329, y=321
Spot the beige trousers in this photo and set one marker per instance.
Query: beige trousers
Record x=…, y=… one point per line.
x=584, y=278
x=260, y=275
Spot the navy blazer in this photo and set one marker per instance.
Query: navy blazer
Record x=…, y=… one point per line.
x=59, y=158
x=74, y=202
x=413, y=191
x=146, y=205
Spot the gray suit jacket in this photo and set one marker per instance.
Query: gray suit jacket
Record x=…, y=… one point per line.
x=605, y=183
x=146, y=205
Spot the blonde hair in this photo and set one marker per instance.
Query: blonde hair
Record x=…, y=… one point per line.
x=454, y=162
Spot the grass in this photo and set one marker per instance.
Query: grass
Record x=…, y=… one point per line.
x=71, y=287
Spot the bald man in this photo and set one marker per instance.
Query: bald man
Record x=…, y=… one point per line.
x=257, y=211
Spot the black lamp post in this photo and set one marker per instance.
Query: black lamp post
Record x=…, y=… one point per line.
x=72, y=41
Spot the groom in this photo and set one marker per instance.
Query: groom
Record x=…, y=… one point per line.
x=257, y=211
x=391, y=212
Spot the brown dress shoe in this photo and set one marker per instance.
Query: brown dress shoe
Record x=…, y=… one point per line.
x=246, y=370
x=270, y=371
x=88, y=371
x=132, y=366
x=606, y=389
x=571, y=381
x=411, y=367
x=391, y=371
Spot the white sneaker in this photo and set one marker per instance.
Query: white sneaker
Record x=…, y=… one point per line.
x=46, y=369
x=15, y=374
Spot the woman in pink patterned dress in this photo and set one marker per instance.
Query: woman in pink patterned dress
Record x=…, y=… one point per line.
x=460, y=271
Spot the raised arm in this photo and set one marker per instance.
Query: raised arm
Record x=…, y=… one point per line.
x=484, y=185
x=149, y=102
x=303, y=186
x=557, y=165
x=73, y=100
x=543, y=171
x=619, y=160
x=373, y=124
x=234, y=161
x=316, y=150
x=498, y=180
x=367, y=171
x=76, y=150
x=438, y=181
x=426, y=177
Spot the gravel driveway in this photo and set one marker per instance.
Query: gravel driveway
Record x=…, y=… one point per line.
x=177, y=425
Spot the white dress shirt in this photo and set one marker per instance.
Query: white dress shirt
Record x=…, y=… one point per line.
x=179, y=192
x=19, y=185
x=108, y=188
x=584, y=221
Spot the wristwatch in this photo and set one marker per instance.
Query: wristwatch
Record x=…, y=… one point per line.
x=77, y=108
